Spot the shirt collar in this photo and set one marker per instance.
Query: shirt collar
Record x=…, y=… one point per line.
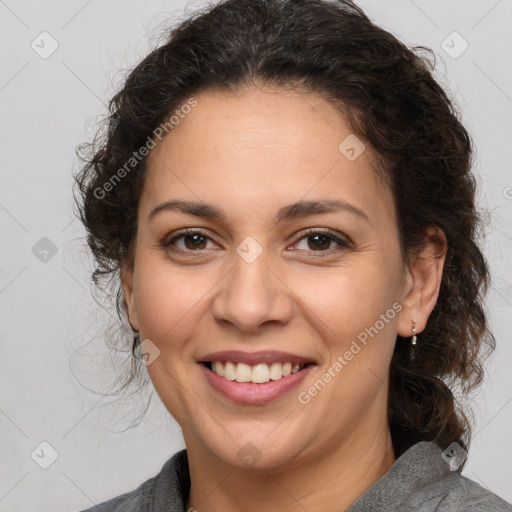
x=418, y=466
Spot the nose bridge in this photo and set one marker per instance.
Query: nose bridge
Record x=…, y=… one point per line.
x=251, y=294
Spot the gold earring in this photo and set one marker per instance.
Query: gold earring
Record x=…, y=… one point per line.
x=414, y=338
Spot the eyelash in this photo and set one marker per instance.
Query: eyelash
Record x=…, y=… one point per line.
x=343, y=244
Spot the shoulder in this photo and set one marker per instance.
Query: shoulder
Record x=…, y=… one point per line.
x=422, y=480
x=471, y=496
x=456, y=493
x=128, y=502
x=162, y=491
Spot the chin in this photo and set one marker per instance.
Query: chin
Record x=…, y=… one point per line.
x=257, y=452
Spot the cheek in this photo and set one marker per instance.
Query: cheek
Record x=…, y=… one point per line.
x=348, y=300
x=355, y=317
x=354, y=312
x=168, y=299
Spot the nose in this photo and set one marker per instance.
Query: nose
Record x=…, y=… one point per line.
x=253, y=293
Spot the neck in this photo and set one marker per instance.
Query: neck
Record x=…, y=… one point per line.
x=336, y=478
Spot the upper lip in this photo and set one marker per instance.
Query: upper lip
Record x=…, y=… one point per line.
x=252, y=358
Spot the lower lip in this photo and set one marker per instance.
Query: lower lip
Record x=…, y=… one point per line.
x=251, y=393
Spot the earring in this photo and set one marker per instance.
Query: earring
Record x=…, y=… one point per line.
x=136, y=343
x=414, y=338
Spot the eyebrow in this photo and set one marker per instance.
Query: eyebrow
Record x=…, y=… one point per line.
x=286, y=213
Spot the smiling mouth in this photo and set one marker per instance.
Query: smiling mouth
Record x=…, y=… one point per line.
x=257, y=374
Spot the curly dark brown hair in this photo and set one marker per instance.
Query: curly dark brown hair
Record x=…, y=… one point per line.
x=388, y=94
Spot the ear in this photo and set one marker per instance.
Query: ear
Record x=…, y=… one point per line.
x=127, y=286
x=422, y=283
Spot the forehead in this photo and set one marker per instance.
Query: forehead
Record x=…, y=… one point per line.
x=260, y=149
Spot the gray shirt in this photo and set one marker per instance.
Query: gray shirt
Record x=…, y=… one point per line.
x=420, y=479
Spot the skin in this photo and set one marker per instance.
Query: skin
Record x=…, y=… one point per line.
x=249, y=154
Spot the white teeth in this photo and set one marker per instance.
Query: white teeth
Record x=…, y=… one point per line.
x=259, y=373
x=229, y=371
x=276, y=371
x=243, y=372
x=217, y=368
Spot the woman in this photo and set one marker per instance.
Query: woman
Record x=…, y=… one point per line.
x=284, y=193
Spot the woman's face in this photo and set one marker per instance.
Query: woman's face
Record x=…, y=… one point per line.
x=252, y=280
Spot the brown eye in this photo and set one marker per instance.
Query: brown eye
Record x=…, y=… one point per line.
x=197, y=241
x=320, y=241
x=192, y=241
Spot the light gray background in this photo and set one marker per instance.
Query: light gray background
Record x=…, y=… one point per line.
x=48, y=315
